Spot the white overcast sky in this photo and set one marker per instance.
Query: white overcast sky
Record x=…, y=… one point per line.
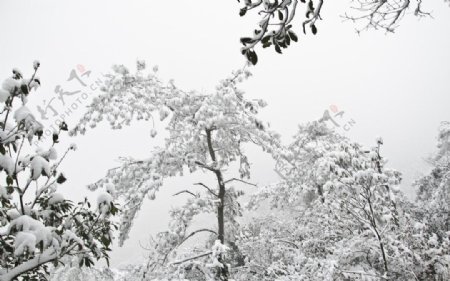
x=395, y=86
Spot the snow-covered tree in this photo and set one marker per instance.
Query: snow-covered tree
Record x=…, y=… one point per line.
x=433, y=211
x=297, y=166
x=38, y=226
x=341, y=219
x=434, y=189
x=206, y=132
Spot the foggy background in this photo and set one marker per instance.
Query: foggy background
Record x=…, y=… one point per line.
x=395, y=85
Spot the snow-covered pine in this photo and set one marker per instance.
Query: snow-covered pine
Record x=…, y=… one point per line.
x=38, y=226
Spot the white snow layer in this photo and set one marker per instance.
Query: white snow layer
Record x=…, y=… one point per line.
x=39, y=165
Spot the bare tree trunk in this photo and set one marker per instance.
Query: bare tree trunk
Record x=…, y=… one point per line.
x=374, y=225
x=320, y=192
x=222, y=273
x=220, y=210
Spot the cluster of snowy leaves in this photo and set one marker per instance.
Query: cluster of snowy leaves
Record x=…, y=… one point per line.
x=38, y=226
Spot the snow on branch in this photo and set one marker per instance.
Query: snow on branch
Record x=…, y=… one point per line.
x=383, y=14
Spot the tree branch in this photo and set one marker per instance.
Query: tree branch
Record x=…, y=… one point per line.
x=185, y=191
x=243, y=181
x=191, y=258
x=192, y=234
x=207, y=188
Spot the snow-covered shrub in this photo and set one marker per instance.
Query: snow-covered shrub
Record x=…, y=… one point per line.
x=38, y=226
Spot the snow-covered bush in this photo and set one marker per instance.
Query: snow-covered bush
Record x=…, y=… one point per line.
x=38, y=226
